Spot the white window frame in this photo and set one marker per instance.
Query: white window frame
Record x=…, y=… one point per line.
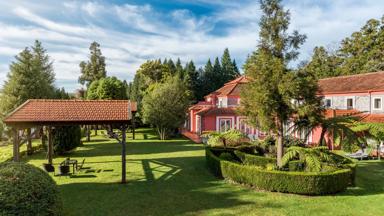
x=218, y=119
x=373, y=103
x=353, y=102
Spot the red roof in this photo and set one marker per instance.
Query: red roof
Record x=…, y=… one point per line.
x=40, y=110
x=365, y=117
x=353, y=83
x=232, y=88
x=217, y=111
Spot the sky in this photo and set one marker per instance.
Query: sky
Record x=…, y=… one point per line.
x=131, y=32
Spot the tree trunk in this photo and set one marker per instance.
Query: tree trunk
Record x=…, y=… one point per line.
x=321, y=140
x=280, y=144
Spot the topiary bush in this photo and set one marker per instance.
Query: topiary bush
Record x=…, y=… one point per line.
x=27, y=190
x=309, y=183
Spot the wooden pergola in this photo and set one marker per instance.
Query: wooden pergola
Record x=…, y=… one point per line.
x=52, y=113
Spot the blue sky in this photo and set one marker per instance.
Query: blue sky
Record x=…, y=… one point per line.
x=131, y=32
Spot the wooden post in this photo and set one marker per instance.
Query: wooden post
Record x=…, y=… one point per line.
x=29, y=142
x=133, y=125
x=16, y=147
x=123, y=155
x=50, y=145
x=88, y=133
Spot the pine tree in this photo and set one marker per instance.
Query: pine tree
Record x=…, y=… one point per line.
x=227, y=68
x=267, y=100
x=192, y=80
x=31, y=76
x=171, y=67
x=323, y=64
x=179, y=69
x=94, y=69
x=236, y=69
x=208, y=79
x=217, y=74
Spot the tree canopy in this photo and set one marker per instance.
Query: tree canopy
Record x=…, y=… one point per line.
x=31, y=75
x=109, y=88
x=165, y=104
x=94, y=68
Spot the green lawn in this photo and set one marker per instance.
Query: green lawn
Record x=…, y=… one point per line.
x=170, y=178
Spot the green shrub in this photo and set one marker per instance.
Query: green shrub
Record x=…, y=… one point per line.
x=310, y=183
x=27, y=190
x=66, y=138
x=290, y=141
x=296, y=165
x=249, y=159
x=226, y=156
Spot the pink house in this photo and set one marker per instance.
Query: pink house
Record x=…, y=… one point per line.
x=341, y=96
x=218, y=111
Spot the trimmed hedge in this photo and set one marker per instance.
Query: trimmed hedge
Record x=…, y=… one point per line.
x=309, y=183
x=249, y=159
x=27, y=190
x=347, y=163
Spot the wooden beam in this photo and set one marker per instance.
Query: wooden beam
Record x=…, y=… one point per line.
x=133, y=125
x=50, y=145
x=123, y=155
x=16, y=147
x=29, y=142
x=88, y=133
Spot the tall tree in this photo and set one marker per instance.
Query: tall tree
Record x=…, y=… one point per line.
x=267, y=100
x=109, y=88
x=192, y=79
x=179, y=69
x=31, y=76
x=323, y=64
x=208, y=79
x=165, y=105
x=94, y=68
x=217, y=74
x=227, y=68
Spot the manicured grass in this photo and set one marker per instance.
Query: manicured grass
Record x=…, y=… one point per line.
x=170, y=178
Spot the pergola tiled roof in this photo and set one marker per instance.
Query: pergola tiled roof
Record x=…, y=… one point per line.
x=42, y=111
x=368, y=82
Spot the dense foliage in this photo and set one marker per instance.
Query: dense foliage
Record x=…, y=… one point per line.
x=164, y=106
x=227, y=138
x=94, y=68
x=31, y=76
x=27, y=190
x=66, y=138
x=359, y=53
x=109, y=88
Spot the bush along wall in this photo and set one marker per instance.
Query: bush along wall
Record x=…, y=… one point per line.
x=308, y=183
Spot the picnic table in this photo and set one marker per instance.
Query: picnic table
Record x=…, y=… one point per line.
x=69, y=162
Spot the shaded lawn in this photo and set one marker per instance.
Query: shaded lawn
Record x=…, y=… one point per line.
x=170, y=178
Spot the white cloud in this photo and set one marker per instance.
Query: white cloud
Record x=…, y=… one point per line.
x=130, y=34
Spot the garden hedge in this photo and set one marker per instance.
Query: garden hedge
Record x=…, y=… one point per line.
x=27, y=190
x=249, y=159
x=309, y=183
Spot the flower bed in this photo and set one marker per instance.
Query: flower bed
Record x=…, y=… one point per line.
x=309, y=183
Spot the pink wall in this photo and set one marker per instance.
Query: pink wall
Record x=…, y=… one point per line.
x=209, y=123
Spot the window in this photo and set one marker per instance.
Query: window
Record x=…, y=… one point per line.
x=377, y=103
x=349, y=103
x=225, y=124
x=243, y=127
x=220, y=102
x=328, y=103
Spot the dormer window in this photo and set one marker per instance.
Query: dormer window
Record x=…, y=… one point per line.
x=220, y=102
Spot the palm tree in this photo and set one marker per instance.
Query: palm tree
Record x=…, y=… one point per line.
x=312, y=158
x=223, y=138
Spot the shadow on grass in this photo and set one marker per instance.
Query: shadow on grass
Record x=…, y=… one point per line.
x=170, y=186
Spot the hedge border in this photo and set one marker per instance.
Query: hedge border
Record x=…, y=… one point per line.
x=310, y=183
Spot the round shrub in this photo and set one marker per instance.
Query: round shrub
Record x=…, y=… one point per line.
x=27, y=190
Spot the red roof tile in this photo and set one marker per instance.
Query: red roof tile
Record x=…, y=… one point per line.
x=217, y=111
x=365, y=117
x=353, y=83
x=37, y=110
x=231, y=88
